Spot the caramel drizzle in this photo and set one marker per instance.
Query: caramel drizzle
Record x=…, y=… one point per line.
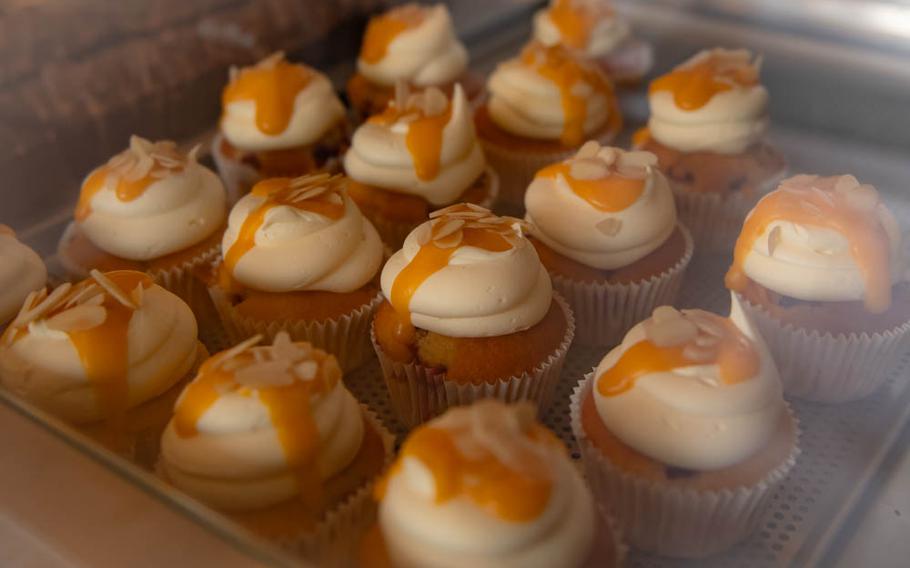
x=575, y=20
x=512, y=481
x=695, y=83
x=383, y=29
x=675, y=340
x=318, y=193
x=132, y=171
x=285, y=377
x=567, y=72
x=96, y=315
x=273, y=85
x=838, y=203
x=426, y=115
x=604, y=177
x=461, y=225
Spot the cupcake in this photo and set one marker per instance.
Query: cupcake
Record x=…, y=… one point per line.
x=707, y=128
x=592, y=28
x=270, y=436
x=278, y=119
x=21, y=271
x=298, y=257
x=108, y=355
x=683, y=431
x=469, y=314
x=410, y=44
x=542, y=106
x=419, y=155
x=150, y=208
x=486, y=485
x=604, y=225
x=820, y=266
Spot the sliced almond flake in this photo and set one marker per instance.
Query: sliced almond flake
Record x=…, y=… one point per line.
x=845, y=184
x=307, y=370
x=237, y=349
x=698, y=355
x=704, y=340
x=609, y=226
x=670, y=333
x=138, y=295
x=78, y=317
x=475, y=207
x=434, y=102
x=451, y=241
x=447, y=227
x=112, y=289
x=637, y=159
x=271, y=61
x=283, y=347
x=588, y=150
x=120, y=160
x=773, y=239
x=139, y=145
x=46, y=302
x=823, y=195
x=310, y=193
x=265, y=374
x=608, y=155
x=401, y=95
x=79, y=294
x=587, y=169
x=632, y=172
x=664, y=313
x=193, y=155
x=706, y=326
x=446, y=210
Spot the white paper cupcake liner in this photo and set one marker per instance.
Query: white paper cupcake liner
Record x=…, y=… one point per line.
x=335, y=539
x=605, y=311
x=716, y=220
x=238, y=177
x=181, y=279
x=830, y=368
x=347, y=336
x=663, y=519
x=419, y=393
x=516, y=170
x=393, y=233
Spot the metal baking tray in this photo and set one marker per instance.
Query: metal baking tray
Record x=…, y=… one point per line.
x=843, y=445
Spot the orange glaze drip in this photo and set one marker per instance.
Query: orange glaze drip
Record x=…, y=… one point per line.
x=104, y=349
x=383, y=29
x=869, y=243
x=641, y=137
x=512, y=494
x=288, y=405
x=611, y=194
x=424, y=137
x=575, y=21
x=125, y=190
x=430, y=259
x=273, y=89
x=558, y=65
x=735, y=357
x=276, y=191
x=695, y=85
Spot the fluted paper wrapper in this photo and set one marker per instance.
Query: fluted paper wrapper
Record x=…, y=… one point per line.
x=716, y=220
x=393, y=233
x=238, y=177
x=662, y=519
x=605, y=311
x=830, y=368
x=347, y=337
x=334, y=541
x=419, y=393
x=516, y=170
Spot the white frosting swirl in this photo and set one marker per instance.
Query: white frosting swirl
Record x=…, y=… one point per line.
x=317, y=109
x=480, y=293
x=525, y=103
x=379, y=154
x=573, y=227
x=235, y=460
x=21, y=271
x=179, y=209
x=729, y=123
x=816, y=263
x=426, y=54
x=299, y=250
x=688, y=417
x=44, y=366
x=419, y=532
x=605, y=35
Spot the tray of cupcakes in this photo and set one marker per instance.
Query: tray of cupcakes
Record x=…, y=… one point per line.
x=459, y=323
